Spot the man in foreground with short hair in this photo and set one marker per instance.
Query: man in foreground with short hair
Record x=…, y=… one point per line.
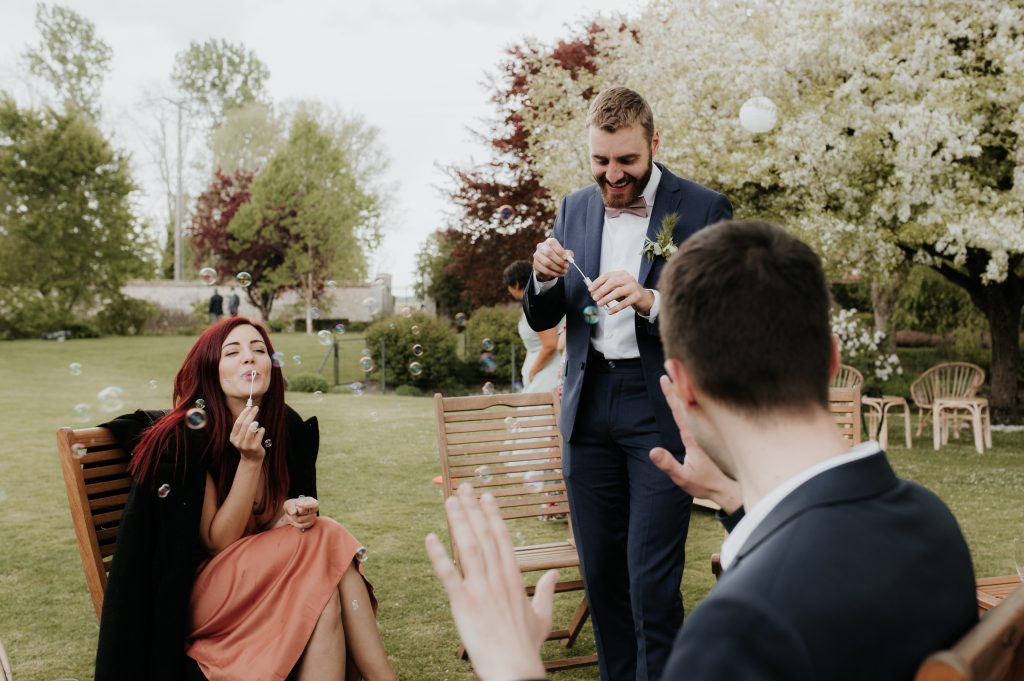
x=838, y=569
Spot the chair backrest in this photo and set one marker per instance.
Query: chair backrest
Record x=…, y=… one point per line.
x=508, y=445
x=97, y=481
x=993, y=650
x=847, y=377
x=5, y=665
x=845, y=406
x=949, y=379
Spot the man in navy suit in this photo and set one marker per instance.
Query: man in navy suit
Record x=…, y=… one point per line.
x=630, y=521
x=837, y=569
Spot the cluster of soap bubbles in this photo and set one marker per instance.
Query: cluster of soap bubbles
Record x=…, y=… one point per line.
x=195, y=418
x=110, y=398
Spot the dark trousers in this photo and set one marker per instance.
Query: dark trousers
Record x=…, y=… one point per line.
x=630, y=523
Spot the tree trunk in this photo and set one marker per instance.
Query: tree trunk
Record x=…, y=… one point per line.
x=1003, y=310
x=883, y=300
x=309, y=302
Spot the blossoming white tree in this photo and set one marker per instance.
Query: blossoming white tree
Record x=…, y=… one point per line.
x=900, y=132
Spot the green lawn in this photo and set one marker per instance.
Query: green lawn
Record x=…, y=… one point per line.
x=377, y=458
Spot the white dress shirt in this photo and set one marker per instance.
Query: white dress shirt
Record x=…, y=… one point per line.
x=754, y=516
x=622, y=241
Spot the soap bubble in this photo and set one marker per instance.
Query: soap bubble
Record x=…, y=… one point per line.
x=324, y=337
x=406, y=311
x=460, y=319
x=488, y=388
x=520, y=539
x=110, y=398
x=517, y=386
x=267, y=444
x=758, y=115
x=153, y=385
x=487, y=344
x=75, y=369
x=277, y=359
x=357, y=388
x=366, y=352
x=208, y=276
x=511, y=423
x=415, y=368
x=374, y=416
x=415, y=330
x=484, y=474
x=314, y=313
x=318, y=395
x=297, y=359
x=163, y=491
x=83, y=411
x=339, y=328
x=331, y=284
x=79, y=450
x=244, y=279
x=195, y=418
x=417, y=349
x=361, y=554
x=487, y=363
x=534, y=483
x=200, y=403
x=505, y=212
x=371, y=305
x=591, y=315
x=366, y=363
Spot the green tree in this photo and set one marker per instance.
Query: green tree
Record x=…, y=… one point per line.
x=434, y=277
x=68, y=237
x=313, y=213
x=217, y=76
x=70, y=57
x=246, y=138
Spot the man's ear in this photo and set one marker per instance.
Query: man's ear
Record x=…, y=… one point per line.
x=655, y=142
x=835, y=359
x=682, y=383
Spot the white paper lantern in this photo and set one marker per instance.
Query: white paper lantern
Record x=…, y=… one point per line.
x=758, y=115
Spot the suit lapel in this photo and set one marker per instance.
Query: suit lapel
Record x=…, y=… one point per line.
x=666, y=201
x=595, y=227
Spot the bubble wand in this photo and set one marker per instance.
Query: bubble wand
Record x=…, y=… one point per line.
x=586, y=280
x=252, y=382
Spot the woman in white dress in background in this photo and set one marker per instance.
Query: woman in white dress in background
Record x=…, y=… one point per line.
x=540, y=368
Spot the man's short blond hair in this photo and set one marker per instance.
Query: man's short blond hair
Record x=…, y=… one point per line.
x=620, y=107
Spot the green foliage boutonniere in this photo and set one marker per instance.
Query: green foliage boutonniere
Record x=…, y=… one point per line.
x=663, y=246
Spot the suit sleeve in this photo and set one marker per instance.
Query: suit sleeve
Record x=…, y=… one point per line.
x=546, y=310
x=719, y=210
x=729, y=638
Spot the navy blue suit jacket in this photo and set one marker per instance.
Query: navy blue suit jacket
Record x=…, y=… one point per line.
x=855, y=575
x=578, y=228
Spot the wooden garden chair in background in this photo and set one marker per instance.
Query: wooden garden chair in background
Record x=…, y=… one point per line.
x=97, y=481
x=993, y=650
x=511, y=446
x=947, y=380
x=878, y=407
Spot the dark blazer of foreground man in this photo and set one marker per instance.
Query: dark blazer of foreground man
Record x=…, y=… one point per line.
x=837, y=569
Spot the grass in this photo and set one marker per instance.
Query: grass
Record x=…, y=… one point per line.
x=378, y=455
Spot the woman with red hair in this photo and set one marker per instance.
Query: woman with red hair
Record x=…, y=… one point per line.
x=224, y=569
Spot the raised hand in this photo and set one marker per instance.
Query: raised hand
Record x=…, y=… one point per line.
x=247, y=435
x=300, y=513
x=698, y=475
x=549, y=260
x=620, y=287
x=500, y=627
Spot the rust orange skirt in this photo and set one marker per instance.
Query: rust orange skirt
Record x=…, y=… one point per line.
x=255, y=604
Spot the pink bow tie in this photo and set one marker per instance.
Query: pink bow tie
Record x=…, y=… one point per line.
x=638, y=208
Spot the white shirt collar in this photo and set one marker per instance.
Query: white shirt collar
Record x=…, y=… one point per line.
x=651, y=190
x=755, y=515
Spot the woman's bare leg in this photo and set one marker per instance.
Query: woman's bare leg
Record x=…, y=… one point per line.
x=361, y=634
x=324, y=657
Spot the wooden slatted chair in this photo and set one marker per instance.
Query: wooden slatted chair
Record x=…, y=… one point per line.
x=511, y=446
x=993, y=650
x=847, y=377
x=97, y=482
x=845, y=406
x=5, y=665
x=946, y=380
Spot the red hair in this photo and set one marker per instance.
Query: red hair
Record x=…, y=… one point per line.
x=199, y=378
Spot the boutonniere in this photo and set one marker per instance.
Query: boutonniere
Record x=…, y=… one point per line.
x=662, y=246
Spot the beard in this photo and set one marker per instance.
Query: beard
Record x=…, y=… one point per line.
x=622, y=200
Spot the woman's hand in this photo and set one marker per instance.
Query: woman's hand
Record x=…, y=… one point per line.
x=247, y=435
x=300, y=513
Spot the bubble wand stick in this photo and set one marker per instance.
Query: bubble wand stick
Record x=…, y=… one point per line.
x=586, y=279
x=252, y=382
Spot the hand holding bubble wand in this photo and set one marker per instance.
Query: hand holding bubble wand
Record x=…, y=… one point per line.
x=586, y=280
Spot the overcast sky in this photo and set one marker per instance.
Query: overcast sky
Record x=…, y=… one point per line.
x=413, y=68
